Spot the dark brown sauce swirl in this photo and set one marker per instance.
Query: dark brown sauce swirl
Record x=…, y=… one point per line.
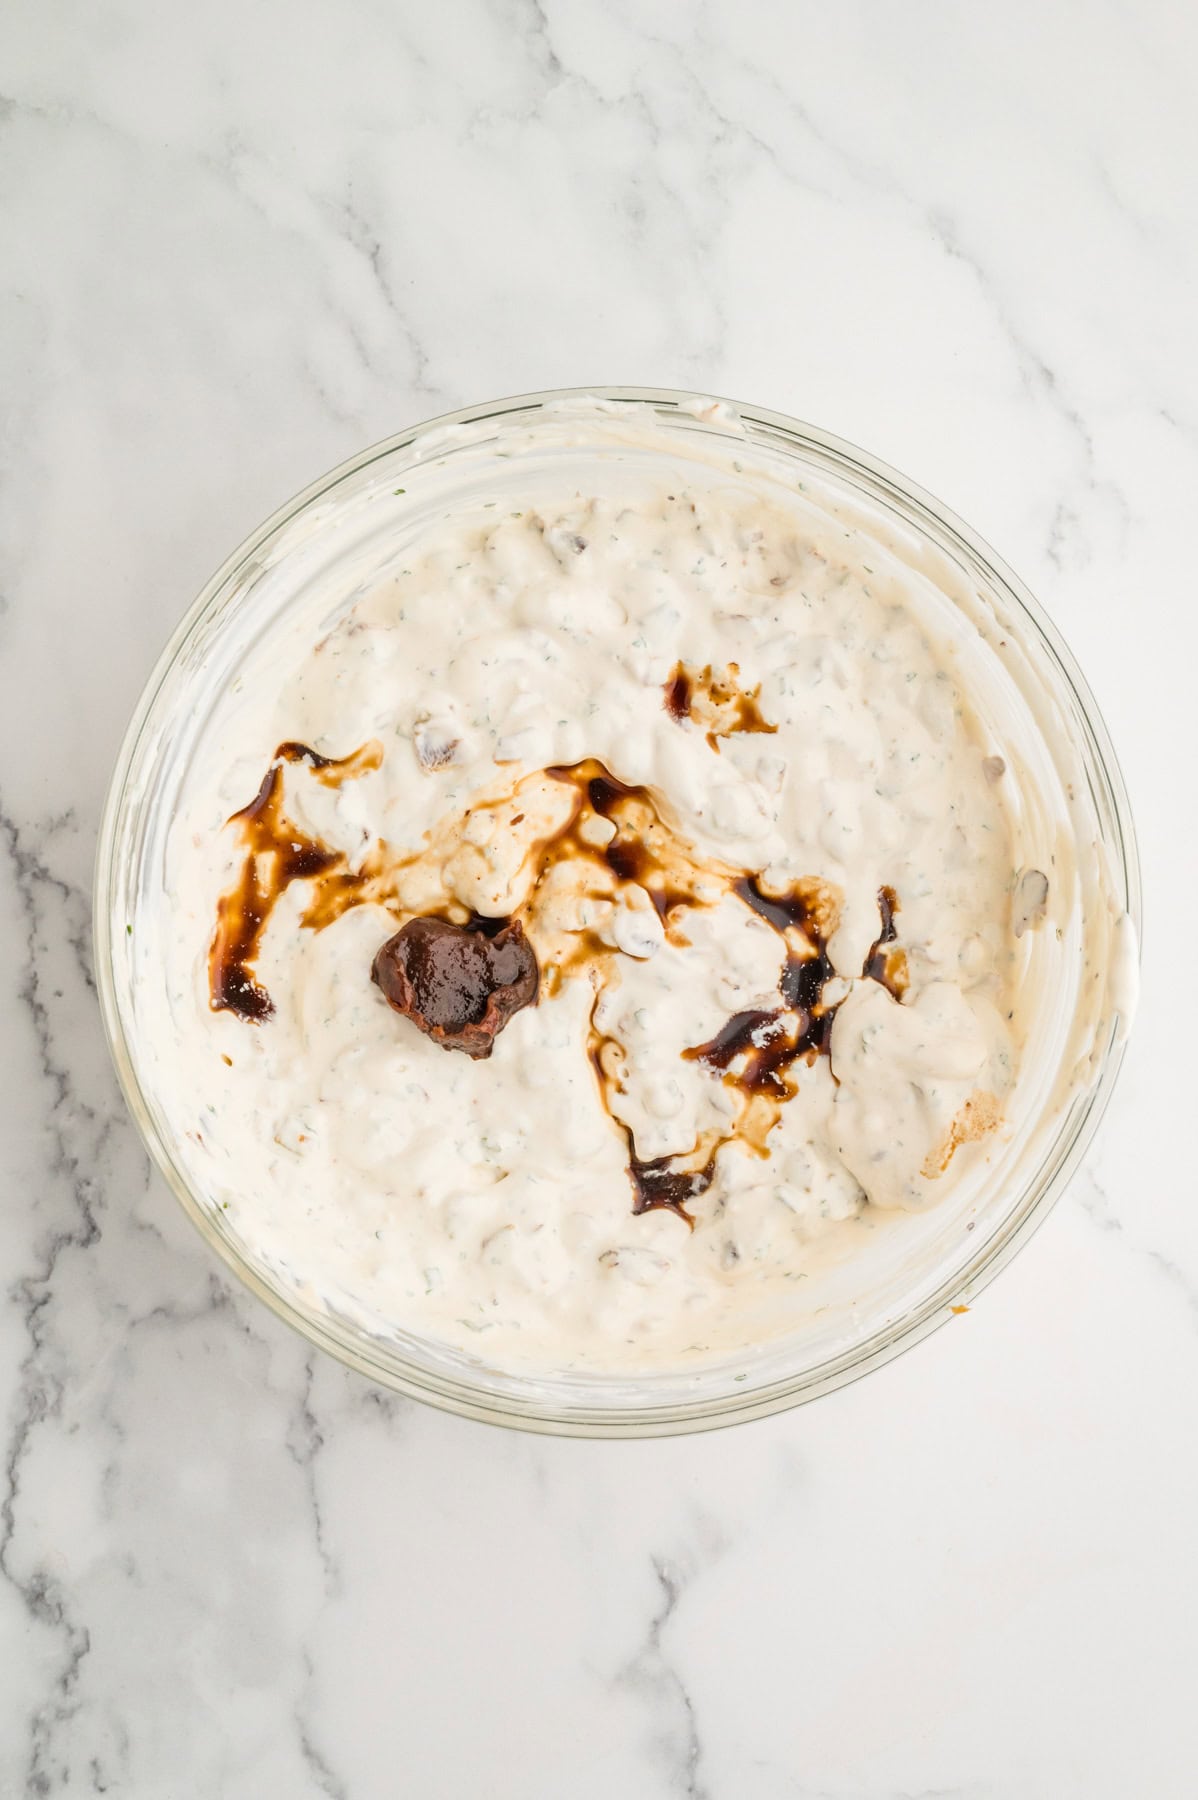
x=885, y=966
x=277, y=854
x=715, y=700
x=656, y=1184
x=755, y=1051
x=765, y=1044
x=678, y=692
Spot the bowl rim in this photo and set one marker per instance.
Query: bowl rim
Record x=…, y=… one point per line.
x=457, y=1395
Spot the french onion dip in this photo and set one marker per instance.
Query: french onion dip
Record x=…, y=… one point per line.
x=591, y=918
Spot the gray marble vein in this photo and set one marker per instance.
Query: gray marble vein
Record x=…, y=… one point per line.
x=681, y=1749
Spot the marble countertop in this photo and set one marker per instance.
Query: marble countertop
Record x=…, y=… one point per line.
x=241, y=242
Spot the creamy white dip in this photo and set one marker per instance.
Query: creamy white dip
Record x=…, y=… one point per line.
x=488, y=1204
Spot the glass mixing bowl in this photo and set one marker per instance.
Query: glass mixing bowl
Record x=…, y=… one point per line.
x=881, y=1300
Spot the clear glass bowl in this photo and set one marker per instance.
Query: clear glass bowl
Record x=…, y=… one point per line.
x=348, y=521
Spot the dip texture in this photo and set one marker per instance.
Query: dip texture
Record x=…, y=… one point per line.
x=702, y=754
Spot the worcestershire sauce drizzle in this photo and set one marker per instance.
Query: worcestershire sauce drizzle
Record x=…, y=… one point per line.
x=715, y=700
x=656, y=1184
x=277, y=853
x=645, y=850
x=753, y=1052
x=889, y=967
x=764, y=1044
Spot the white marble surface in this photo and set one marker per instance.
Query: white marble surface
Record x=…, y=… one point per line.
x=238, y=242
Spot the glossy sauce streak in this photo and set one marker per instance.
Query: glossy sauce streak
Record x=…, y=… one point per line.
x=754, y=1052
x=765, y=1044
x=762, y=1038
x=276, y=855
x=678, y=694
x=644, y=850
x=656, y=1184
x=715, y=700
x=889, y=967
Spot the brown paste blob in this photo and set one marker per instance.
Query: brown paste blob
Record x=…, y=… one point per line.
x=459, y=984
